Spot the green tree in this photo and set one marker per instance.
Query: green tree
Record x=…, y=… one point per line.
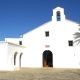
x=77, y=38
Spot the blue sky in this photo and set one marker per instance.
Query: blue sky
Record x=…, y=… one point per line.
x=20, y=16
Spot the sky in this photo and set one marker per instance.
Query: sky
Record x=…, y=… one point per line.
x=21, y=16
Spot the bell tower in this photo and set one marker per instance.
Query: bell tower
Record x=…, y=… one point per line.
x=58, y=14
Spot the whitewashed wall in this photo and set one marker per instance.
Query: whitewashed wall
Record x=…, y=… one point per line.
x=12, y=49
x=3, y=56
x=7, y=51
x=13, y=40
x=60, y=32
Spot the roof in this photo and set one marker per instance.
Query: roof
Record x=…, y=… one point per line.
x=12, y=44
x=67, y=20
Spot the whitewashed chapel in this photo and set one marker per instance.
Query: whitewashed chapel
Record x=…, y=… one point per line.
x=53, y=44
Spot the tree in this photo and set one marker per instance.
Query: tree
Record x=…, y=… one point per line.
x=77, y=38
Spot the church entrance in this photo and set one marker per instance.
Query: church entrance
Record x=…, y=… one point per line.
x=47, y=59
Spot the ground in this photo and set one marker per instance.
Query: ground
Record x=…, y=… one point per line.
x=41, y=74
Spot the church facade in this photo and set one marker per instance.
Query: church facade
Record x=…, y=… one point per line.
x=53, y=44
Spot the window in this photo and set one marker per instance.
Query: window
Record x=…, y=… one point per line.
x=58, y=16
x=47, y=46
x=70, y=43
x=47, y=33
x=20, y=42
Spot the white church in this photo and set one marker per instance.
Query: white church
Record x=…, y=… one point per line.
x=54, y=44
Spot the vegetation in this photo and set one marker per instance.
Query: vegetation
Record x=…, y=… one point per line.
x=77, y=37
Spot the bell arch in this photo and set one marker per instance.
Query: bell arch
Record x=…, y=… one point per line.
x=58, y=16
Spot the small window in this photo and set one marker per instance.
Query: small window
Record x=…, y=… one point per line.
x=58, y=16
x=20, y=42
x=70, y=43
x=47, y=33
x=47, y=46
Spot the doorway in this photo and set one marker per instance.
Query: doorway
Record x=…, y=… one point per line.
x=47, y=59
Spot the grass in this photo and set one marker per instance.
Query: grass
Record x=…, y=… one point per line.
x=41, y=74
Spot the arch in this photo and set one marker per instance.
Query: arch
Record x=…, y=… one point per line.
x=47, y=58
x=15, y=54
x=20, y=57
x=58, y=15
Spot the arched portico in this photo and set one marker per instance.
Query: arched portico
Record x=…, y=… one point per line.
x=15, y=58
x=20, y=57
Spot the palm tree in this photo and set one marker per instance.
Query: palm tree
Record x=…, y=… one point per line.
x=77, y=37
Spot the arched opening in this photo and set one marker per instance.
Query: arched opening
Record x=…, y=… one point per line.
x=20, y=59
x=47, y=59
x=15, y=58
x=58, y=16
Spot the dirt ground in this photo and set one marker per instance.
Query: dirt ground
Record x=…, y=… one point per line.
x=41, y=74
